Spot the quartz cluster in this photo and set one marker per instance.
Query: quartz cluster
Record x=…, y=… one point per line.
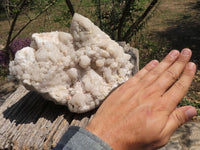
x=77, y=69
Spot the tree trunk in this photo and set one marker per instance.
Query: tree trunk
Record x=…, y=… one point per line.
x=122, y=19
x=134, y=27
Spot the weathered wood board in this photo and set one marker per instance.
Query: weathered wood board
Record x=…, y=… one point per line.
x=28, y=121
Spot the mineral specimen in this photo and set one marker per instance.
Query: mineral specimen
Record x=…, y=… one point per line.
x=77, y=69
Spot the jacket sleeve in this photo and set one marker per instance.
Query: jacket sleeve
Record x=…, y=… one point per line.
x=77, y=138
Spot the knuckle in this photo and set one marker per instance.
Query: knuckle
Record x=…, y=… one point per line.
x=160, y=141
x=179, y=85
x=188, y=72
x=182, y=60
x=179, y=117
x=172, y=75
x=147, y=68
x=154, y=73
x=163, y=141
x=151, y=65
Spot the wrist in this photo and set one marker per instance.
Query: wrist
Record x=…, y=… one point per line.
x=110, y=137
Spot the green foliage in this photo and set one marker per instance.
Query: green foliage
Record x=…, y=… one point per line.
x=110, y=19
x=112, y=16
x=149, y=49
x=186, y=102
x=14, y=6
x=122, y=18
x=62, y=15
x=3, y=72
x=39, y=5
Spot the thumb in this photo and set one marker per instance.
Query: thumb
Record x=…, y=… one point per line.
x=190, y=112
x=178, y=117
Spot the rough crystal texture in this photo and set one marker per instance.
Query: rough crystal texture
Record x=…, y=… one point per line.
x=78, y=69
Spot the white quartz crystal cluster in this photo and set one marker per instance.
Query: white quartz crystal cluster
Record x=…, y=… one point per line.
x=77, y=69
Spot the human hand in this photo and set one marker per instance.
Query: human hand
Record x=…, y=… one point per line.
x=142, y=113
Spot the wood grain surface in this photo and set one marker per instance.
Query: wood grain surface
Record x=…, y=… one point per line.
x=28, y=121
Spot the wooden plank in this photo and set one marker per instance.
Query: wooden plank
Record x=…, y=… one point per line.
x=28, y=121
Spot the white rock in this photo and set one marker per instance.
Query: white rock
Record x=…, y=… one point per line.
x=77, y=70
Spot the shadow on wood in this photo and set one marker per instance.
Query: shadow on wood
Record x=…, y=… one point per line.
x=31, y=107
x=28, y=121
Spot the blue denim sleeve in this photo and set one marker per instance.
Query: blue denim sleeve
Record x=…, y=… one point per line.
x=77, y=138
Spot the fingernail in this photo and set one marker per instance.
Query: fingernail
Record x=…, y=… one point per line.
x=185, y=52
x=191, y=112
x=154, y=62
x=174, y=53
x=191, y=66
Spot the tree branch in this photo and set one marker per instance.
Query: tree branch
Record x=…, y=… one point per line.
x=99, y=13
x=79, y=5
x=70, y=6
x=134, y=26
x=7, y=10
x=6, y=49
x=30, y=20
x=122, y=19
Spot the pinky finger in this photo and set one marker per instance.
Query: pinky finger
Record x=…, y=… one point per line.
x=148, y=67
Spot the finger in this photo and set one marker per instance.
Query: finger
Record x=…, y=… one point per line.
x=137, y=77
x=126, y=90
x=148, y=67
x=178, y=117
x=157, y=71
x=173, y=73
x=173, y=96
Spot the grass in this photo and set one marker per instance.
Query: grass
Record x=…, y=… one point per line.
x=186, y=102
x=3, y=72
x=175, y=25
